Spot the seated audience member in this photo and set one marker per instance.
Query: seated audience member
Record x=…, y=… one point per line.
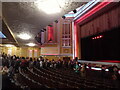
x=89, y=65
x=103, y=71
x=76, y=67
x=115, y=72
x=48, y=63
x=41, y=63
x=116, y=76
x=23, y=64
x=110, y=73
x=17, y=64
x=37, y=63
x=83, y=70
x=31, y=64
x=5, y=69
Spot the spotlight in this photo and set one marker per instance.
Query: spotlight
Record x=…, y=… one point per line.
x=56, y=21
x=63, y=17
x=75, y=11
x=93, y=38
x=101, y=36
x=50, y=40
x=44, y=29
x=50, y=25
x=38, y=34
x=98, y=37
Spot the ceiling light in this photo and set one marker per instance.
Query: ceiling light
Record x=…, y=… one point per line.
x=31, y=44
x=24, y=36
x=49, y=6
x=9, y=45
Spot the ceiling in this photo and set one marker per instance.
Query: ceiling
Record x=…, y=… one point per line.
x=26, y=17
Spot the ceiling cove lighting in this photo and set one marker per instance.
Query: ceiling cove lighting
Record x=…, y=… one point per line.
x=49, y=6
x=9, y=45
x=31, y=44
x=2, y=35
x=24, y=36
x=85, y=8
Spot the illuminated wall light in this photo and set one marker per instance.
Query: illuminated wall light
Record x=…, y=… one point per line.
x=35, y=50
x=30, y=50
x=24, y=36
x=9, y=45
x=9, y=51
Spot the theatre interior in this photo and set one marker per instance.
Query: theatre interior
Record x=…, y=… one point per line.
x=56, y=44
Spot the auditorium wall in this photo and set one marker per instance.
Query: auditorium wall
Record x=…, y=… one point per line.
x=22, y=51
x=55, y=49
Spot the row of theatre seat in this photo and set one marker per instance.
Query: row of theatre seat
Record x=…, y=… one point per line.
x=69, y=74
x=76, y=80
x=54, y=78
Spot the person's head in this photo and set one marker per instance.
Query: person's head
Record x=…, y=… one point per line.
x=39, y=59
x=34, y=59
x=76, y=58
x=27, y=57
x=114, y=65
x=17, y=57
x=23, y=57
x=76, y=62
x=30, y=59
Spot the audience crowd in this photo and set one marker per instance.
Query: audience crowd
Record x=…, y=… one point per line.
x=11, y=64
